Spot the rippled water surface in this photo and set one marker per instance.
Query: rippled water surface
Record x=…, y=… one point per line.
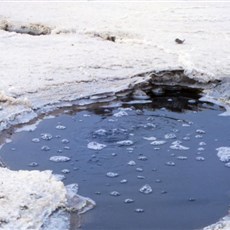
x=146, y=166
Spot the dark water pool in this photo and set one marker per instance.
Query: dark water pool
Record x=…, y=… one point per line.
x=146, y=166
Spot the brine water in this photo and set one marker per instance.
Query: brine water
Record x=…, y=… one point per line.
x=149, y=162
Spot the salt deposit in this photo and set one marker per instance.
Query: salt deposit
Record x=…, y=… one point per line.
x=28, y=198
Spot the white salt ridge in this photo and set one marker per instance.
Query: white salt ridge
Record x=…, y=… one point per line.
x=95, y=145
x=59, y=159
x=223, y=153
x=32, y=198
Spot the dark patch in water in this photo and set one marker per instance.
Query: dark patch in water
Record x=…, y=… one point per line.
x=137, y=182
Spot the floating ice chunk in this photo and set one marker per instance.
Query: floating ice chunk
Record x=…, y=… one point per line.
x=112, y=174
x=120, y=114
x=186, y=125
x=198, y=136
x=202, y=143
x=59, y=159
x=125, y=143
x=139, y=210
x=100, y=132
x=201, y=149
x=128, y=200
x=223, y=153
x=182, y=157
x=45, y=148
x=170, y=163
x=123, y=181
x=142, y=158
x=177, y=146
x=65, y=141
x=131, y=163
x=200, y=131
x=150, y=138
x=115, y=193
x=140, y=177
x=33, y=164
x=36, y=140
x=46, y=136
x=146, y=189
x=200, y=158
x=170, y=136
x=139, y=169
x=159, y=142
x=95, y=145
x=65, y=171
x=186, y=138
x=60, y=127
